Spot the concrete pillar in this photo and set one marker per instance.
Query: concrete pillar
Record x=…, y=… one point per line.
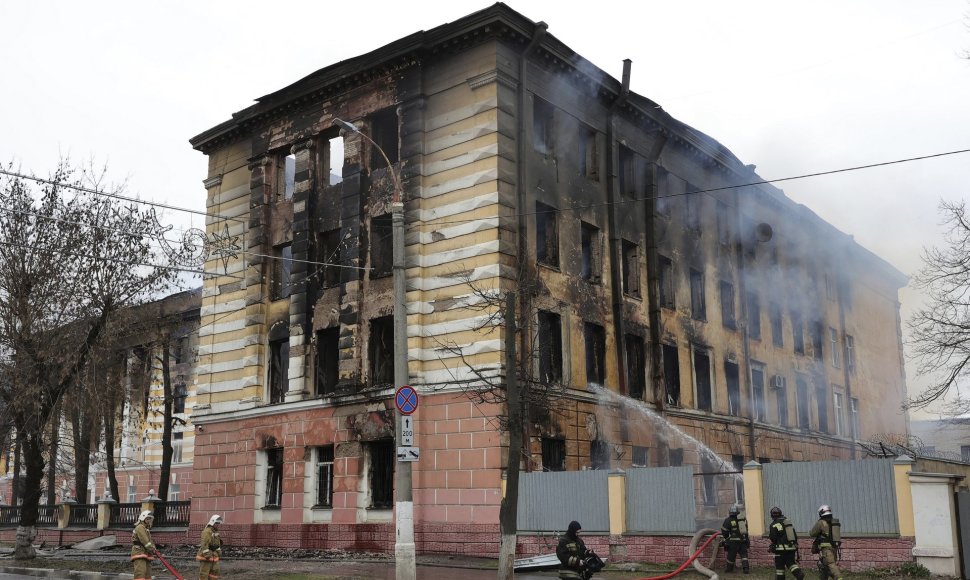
x=934, y=518
x=902, y=465
x=148, y=502
x=616, y=484
x=754, y=498
x=104, y=512
x=64, y=513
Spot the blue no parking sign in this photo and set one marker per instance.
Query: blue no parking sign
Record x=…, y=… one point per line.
x=406, y=400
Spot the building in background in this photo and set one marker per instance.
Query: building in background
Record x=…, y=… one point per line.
x=659, y=281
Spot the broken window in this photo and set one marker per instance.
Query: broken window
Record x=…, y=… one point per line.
x=285, y=176
x=641, y=456
x=676, y=457
x=382, y=459
x=801, y=402
x=595, y=337
x=381, y=246
x=822, y=406
x=758, y=389
x=631, y=268
x=329, y=256
x=599, y=454
x=636, y=378
x=381, y=351
x=727, y=305
x=279, y=361
x=672, y=374
x=592, y=269
x=628, y=173
x=547, y=235
x=723, y=224
x=836, y=350
x=698, y=305
x=702, y=380
x=753, y=312
x=384, y=132
x=588, y=153
x=709, y=471
x=666, y=283
x=282, y=266
x=798, y=333
x=327, y=360
x=553, y=454
x=178, y=398
x=324, y=476
x=779, y=386
x=543, y=115
x=817, y=340
x=550, y=347
x=777, y=336
x=274, y=477
x=733, y=378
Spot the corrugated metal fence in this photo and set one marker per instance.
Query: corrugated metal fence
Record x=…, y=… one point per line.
x=862, y=494
x=660, y=500
x=548, y=501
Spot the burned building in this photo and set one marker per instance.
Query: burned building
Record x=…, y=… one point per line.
x=660, y=283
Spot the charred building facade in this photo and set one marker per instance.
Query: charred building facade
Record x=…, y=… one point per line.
x=643, y=261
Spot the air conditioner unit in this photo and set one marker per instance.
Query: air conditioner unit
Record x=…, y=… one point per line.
x=777, y=382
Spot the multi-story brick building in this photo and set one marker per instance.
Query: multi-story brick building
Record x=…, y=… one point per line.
x=646, y=258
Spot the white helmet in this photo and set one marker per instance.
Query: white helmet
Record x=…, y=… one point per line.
x=216, y=519
x=146, y=515
x=824, y=510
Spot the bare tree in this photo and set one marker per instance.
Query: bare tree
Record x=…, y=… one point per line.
x=70, y=259
x=940, y=331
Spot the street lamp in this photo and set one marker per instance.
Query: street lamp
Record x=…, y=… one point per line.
x=404, y=552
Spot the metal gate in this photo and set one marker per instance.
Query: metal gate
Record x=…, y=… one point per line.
x=963, y=530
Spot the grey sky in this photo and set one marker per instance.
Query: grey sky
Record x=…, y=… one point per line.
x=794, y=88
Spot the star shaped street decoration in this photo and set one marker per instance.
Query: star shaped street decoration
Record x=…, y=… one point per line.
x=223, y=246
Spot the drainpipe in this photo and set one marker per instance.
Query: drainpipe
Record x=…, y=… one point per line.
x=847, y=403
x=616, y=281
x=521, y=177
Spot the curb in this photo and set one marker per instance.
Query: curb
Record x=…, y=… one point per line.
x=63, y=574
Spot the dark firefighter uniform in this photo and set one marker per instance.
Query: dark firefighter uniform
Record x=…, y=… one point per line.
x=826, y=547
x=572, y=553
x=142, y=547
x=210, y=550
x=784, y=545
x=734, y=533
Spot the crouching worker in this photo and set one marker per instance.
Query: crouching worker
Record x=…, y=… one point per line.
x=578, y=561
x=142, y=548
x=210, y=550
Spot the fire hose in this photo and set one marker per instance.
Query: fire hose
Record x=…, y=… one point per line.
x=696, y=552
x=169, y=566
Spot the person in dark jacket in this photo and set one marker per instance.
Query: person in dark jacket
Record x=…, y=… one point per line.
x=573, y=554
x=734, y=535
x=784, y=545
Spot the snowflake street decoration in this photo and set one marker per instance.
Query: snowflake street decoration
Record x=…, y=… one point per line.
x=224, y=246
x=195, y=248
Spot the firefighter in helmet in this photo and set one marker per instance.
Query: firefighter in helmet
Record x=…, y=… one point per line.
x=827, y=534
x=142, y=548
x=734, y=539
x=210, y=550
x=784, y=545
x=578, y=561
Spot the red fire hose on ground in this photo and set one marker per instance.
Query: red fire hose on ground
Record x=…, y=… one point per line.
x=169, y=566
x=700, y=568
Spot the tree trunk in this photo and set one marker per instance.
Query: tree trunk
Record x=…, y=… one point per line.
x=109, y=446
x=164, y=476
x=17, y=448
x=33, y=448
x=52, y=472
x=82, y=454
x=508, y=511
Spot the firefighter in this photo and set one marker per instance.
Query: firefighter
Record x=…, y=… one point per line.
x=827, y=534
x=578, y=561
x=210, y=550
x=734, y=539
x=142, y=548
x=784, y=545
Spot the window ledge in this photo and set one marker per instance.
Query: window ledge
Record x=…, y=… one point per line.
x=271, y=508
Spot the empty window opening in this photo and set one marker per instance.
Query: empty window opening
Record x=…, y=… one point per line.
x=631, y=268
x=550, y=347
x=641, y=456
x=285, y=176
x=384, y=132
x=628, y=172
x=676, y=457
x=592, y=250
x=822, y=403
x=543, y=115
x=801, y=402
x=324, y=476
x=178, y=398
x=753, y=312
x=666, y=283
x=758, y=388
x=797, y=333
x=728, y=318
x=723, y=224
x=381, y=350
x=774, y=313
x=698, y=305
x=382, y=459
x=381, y=246
x=279, y=361
x=274, y=477
x=694, y=207
x=733, y=379
x=672, y=374
x=329, y=256
x=282, y=267
x=553, y=454
x=588, y=153
x=335, y=167
x=709, y=482
x=599, y=454
x=547, y=235
x=327, y=360
x=779, y=388
x=636, y=378
x=738, y=462
x=817, y=340
x=702, y=380
x=595, y=337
